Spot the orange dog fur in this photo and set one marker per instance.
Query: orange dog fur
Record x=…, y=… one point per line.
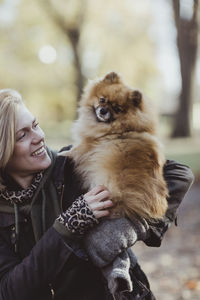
x=116, y=146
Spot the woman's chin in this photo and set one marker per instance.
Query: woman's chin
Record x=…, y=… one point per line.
x=42, y=162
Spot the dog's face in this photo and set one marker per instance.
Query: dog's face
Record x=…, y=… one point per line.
x=113, y=103
x=116, y=105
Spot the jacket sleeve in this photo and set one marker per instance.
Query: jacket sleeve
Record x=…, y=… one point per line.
x=179, y=179
x=26, y=279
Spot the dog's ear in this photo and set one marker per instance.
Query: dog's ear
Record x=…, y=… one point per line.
x=112, y=77
x=136, y=98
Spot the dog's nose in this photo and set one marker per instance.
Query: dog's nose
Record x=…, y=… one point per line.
x=103, y=111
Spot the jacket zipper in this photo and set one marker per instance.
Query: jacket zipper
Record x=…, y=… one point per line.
x=52, y=291
x=61, y=197
x=61, y=206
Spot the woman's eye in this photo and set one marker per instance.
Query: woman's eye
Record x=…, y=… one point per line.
x=21, y=137
x=35, y=125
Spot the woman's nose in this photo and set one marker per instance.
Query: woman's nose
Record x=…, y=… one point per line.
x=38, y=136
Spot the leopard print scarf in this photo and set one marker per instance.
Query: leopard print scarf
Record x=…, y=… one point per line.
x=22, y=196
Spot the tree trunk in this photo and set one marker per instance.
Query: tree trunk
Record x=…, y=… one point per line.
x=187, y=36
x=73, y=34
x=74, y=38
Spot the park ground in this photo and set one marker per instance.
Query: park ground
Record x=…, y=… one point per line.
x=174, y=268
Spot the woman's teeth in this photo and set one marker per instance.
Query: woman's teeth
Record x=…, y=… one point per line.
x=38, y=152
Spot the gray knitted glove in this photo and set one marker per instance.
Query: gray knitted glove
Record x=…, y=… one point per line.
x=117, y=274
x=78, y=218
x=107, y=240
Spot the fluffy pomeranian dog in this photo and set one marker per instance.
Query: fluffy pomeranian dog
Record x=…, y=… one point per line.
x=115, y=145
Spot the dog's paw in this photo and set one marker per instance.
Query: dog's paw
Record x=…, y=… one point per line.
x=112, y=77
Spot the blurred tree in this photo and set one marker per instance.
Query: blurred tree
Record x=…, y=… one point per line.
x=70, y=23
x=46, y=87
x=107, y=35
x=187, y=43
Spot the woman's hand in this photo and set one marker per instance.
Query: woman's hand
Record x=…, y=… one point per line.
x=99, y=201
x=85, y=211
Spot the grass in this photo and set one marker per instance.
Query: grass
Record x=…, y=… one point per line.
x=185, y=150
x=190, y=159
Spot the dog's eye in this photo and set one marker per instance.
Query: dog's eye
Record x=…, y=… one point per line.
x=116, y=109
x=102, y=100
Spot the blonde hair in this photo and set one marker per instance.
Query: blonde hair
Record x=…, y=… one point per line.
x=9, y=102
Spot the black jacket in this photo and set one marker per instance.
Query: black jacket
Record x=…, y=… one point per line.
x=47, y=264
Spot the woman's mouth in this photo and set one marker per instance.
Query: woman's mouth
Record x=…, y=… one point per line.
x=39, y=152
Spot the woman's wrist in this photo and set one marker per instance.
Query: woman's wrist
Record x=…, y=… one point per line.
x=78, y=218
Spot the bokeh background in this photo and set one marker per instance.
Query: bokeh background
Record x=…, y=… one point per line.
x=50, y=48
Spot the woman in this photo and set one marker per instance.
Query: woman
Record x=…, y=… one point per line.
x=45, y=218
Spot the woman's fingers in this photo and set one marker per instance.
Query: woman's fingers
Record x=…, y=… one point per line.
x=99, y=201
x=101, y=213
x=97, y=189
x=101, y=205
x=101, y=196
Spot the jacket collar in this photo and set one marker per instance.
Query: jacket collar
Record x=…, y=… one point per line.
x=9, y=208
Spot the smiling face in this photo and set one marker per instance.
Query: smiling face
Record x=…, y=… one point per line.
x=30, y=155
